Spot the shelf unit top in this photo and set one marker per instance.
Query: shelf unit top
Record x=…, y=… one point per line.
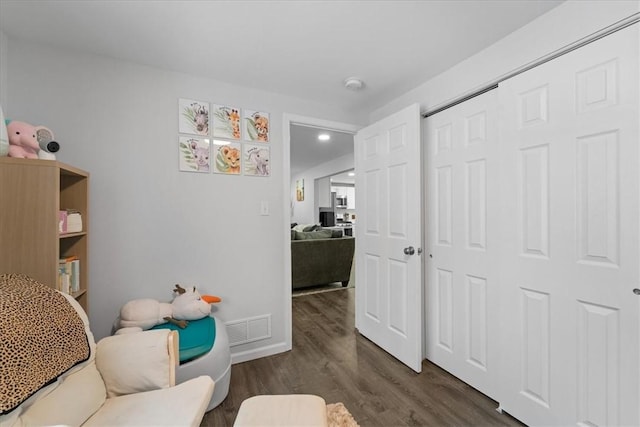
x=65, y=169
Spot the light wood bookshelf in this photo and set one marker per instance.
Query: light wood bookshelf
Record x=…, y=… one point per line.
x=31, y=194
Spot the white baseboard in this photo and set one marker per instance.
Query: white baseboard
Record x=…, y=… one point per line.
x=257, y=353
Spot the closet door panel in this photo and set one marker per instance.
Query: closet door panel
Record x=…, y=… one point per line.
x=570, y=225
x=462, y=205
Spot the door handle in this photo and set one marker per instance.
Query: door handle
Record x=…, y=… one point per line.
x=409, y=250
x=635, y=291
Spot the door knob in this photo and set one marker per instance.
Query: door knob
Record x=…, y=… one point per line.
x=409, y=250
x=635, y=291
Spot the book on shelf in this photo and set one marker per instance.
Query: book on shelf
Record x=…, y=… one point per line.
x=62, y=222
x=75, y=275
x=69, y=274
x=69, y=221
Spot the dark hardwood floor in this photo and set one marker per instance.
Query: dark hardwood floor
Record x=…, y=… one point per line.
x=330, y=359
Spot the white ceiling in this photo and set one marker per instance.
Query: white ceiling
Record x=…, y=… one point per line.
x=299, y=48
x=303, y=49
x=307, y=152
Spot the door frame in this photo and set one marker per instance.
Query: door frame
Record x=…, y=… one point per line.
x=289, y=119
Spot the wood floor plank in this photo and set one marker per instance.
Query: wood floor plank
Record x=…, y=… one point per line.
x=329, y=358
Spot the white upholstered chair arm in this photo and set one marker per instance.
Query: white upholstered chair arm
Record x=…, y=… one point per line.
x=138, y=362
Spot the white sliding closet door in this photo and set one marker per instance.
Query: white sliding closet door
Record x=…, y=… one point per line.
x=462, y=246
x=570, y=259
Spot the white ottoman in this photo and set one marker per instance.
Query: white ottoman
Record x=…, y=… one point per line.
x=286, y=410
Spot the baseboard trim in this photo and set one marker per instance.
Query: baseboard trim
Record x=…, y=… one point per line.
x=257, y=353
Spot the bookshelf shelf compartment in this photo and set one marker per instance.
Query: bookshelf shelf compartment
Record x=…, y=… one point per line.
x=31, y=242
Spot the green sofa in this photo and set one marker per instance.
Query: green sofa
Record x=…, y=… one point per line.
x=318, y=260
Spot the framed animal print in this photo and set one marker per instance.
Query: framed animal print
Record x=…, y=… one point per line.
x=194, y=154
x=257, y=125
x=300, y=190
x=193, y=117
x=226, y=122
x=255, y=160
x=228, y=158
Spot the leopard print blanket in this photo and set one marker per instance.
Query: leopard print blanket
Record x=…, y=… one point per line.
x=41, y=337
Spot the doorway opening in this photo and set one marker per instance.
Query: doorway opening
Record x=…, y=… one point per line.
x=307, y=160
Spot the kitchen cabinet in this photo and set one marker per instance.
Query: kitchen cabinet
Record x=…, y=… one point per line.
x=351, y=197
x=342, y=193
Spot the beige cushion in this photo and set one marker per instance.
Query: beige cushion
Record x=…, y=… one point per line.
x=287, y=410
x=133, y=363
x=87, y=330
x=182, y=405
x=76, y=398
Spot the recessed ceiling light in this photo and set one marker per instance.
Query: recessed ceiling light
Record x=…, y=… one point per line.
x=324, y=137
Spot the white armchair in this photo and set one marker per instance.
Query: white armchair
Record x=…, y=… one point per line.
x=127, y=380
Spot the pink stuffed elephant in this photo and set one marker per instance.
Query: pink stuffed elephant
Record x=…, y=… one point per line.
x=22, y=140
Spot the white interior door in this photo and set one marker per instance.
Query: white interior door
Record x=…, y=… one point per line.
x=570, y=260
x=389, y=235
x=462, y=181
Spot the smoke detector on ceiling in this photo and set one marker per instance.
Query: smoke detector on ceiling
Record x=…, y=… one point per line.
x=354, y=83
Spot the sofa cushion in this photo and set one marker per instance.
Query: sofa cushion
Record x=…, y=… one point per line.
x=143, y=368
x=182, y=405
x=311, y=235
x=76, y=398
x=306, y=227
x=336, y=233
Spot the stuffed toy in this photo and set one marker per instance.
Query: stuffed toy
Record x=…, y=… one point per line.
x=23, y=141
x=141, y=314
x=31, y=142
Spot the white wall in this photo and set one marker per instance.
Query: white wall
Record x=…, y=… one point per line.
x=559, y=27
x=304, y=212
x=151, y=225
x=4, y=57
